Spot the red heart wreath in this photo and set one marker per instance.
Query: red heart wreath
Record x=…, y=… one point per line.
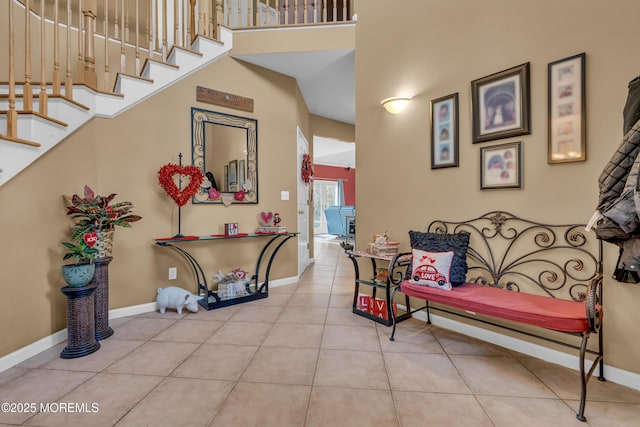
x=165, y=178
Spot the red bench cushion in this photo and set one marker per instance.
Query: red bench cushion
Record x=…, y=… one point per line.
x=545, y=312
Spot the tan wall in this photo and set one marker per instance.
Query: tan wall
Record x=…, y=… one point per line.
x=328, y=128
x=434, y=48
x=123, y=155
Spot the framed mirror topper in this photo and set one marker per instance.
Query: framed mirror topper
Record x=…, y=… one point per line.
x=225, y=147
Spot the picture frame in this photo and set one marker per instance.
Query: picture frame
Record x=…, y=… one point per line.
x=226, y=178
x=444, y=132
x=500, y=104
x=501, y=166
x=233, y=175
x=566, y=126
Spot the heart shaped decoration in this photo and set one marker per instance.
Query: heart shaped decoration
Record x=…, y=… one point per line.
x=247, y=185
x=266, y=218
x=239, y=196
x=227, y=199
x=165, y=178
x=213, y=194
x=90, y=239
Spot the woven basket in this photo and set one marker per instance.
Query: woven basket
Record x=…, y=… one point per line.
x=104, y=245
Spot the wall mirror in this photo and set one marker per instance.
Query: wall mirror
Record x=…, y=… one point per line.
x=225, y=147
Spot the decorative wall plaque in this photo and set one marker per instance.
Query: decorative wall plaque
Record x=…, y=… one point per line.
x=212, y=96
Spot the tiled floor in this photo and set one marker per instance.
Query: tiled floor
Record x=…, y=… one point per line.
x=301, y=358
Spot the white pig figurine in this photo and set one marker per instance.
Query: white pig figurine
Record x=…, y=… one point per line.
x=176, y=298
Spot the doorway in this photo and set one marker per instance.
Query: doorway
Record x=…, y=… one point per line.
x=325, y=194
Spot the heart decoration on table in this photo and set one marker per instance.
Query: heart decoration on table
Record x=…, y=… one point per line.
x=239, y=195
x=165, y=178
x=265, y=218
x=227, y=199
x=90, y=239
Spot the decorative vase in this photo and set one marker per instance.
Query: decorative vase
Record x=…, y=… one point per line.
x=78, y=275
x=104, y=244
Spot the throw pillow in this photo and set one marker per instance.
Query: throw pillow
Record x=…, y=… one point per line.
x=458, y=243
x=431, y=268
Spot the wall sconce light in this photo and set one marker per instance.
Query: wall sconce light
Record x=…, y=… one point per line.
x=395, y=105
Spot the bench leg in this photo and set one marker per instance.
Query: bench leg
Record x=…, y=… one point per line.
x=393, y=315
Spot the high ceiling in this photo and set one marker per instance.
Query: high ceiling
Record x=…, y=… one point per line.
x=326, y=79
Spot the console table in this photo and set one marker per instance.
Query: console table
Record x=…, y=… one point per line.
x=384, y=285
x=255, y=288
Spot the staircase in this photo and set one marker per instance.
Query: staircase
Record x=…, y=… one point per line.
x=37, y=130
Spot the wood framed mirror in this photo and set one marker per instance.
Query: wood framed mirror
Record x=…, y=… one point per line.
x=225, y=147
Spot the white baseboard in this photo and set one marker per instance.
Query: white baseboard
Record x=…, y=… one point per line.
x=283, y=282
x=613, y=374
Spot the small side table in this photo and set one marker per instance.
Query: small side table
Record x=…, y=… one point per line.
x=101, y=280
x=385, y=286
x=81, y=336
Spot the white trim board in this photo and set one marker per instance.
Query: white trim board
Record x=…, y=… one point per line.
x=24, y=353
x=613, y=374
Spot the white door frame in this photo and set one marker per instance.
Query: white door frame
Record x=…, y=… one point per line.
x=303, y=207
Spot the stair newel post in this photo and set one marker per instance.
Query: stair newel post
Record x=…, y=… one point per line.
x=286, y=11
x=164, y=30
x=89, y=13
x=12, y=116
x=149, y=33
x=55, y=81
x=43, y=99
x=205, y=17
x=106, y=46
x=192, y=20
x=68, y=85
x=219, y=18
x=27, y=90
x=176, y=23
x=80, y=62
x=185, y=24
x=137, y=40
x=123, y=55
x=324, y=10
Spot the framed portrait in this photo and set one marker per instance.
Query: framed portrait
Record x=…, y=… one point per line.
x=501, y=166
x=566, y=111
x=241, y=173
x=501, y=104
x=444, y=132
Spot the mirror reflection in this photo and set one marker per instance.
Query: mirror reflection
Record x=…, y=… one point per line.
x=224, y=146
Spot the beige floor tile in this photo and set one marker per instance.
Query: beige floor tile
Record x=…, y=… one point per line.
x=303, y=315
x=342, y=337
x=281, y=299
x=565, y=383
x=264, y=405
x=282, y=366
x=454, y=343
x=154, y=358
x=324, y=288
x=346, y=316
x=294, y=336
x=528, y=412
x=500, y=376
x=310, y=300
x=341, y=301
x=114, y=323
x=179, y=402
x=141, y=328
x=254, y=313
x=330, y=407
x=409, y=339
x=353, y=369
x=195, y=331
x=222, y=314
x=609, y=414
x=439, y=409
x=168, y=314
x=43, y=357
x=284, y=289
x=216, y=361
x=110, y=351
x=346, y=289
x=114, y=395
x=11, y=374
x=241, y=333
x=423, y=372
x=38, y=386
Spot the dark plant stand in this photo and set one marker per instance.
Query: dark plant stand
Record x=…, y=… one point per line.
x=81, y=337
x=101, y=280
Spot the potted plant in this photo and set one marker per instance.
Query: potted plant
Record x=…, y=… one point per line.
x=80, y=273
x=96, y=219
